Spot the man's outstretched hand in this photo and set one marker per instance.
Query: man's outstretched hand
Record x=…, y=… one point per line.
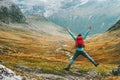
x=90, y=27
x=67, y=29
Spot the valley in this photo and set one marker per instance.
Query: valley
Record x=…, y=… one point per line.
x=37, y=49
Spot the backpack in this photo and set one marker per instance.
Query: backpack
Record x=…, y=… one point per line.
x=79, y=42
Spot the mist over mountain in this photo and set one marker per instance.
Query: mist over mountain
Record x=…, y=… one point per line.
x=42, y=25
x=77, y=14
x=12, y=15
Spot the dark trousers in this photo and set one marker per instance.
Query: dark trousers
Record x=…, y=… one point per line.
x=83, y=53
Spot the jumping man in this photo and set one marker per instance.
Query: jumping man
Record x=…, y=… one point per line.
x=79, y=45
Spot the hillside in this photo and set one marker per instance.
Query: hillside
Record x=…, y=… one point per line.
x=11, y=14
x=106, y=45
x=115, y=27
x=24, y=39
x=42, y=25
x=40, y=56
x=34, y=28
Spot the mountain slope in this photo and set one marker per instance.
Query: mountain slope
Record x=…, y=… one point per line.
x=115, y=27
x=78, y=14
x=41, y=24
x=11, y=14
x=39, y=55
x=106, y=46
x=21, y=41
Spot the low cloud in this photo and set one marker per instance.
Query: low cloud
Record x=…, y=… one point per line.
x=50, y=7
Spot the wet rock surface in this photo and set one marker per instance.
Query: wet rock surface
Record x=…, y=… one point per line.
x=7, y=74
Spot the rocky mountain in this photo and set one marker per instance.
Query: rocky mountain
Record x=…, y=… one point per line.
x=7, y=74
x=79, y=24
x=78, y=14
x=9, y=12
x=115, y=26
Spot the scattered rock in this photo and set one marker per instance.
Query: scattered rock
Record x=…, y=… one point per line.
x=70, y=75
x=7, y=74
x=116, y=71
x=4, y=50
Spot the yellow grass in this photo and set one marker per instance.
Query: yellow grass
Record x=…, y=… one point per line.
x=36, y=52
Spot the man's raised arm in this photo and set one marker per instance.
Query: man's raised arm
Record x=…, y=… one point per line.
x=88, y=31
x=73, y=36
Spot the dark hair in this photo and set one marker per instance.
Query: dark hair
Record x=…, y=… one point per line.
x=79, y=34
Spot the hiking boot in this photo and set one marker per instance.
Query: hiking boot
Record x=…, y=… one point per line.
x=96, y=64
x=67, y=68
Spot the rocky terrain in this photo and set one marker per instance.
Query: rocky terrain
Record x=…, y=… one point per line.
x=7, y=74
x=115, y=27
x=9, y=12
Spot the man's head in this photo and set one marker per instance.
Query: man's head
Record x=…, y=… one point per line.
x=79, y=34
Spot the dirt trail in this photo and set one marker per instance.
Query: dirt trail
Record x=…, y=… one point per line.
x=70, y=75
